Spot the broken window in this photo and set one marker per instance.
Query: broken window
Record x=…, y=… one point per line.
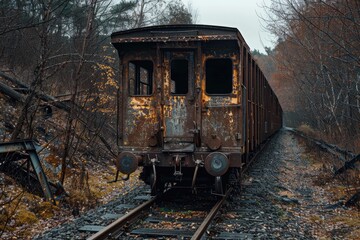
x=219, y=76
x=140, y=78
x=179, y=76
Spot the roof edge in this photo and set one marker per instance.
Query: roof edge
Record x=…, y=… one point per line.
x=175, y=26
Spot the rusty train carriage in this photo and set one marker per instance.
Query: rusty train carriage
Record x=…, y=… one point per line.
x=194, y=104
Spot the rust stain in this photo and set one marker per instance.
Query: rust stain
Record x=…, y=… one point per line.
x=175, y=117
x=140, y=118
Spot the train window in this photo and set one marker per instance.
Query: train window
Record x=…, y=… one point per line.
x=140, y=77
x=219, y=76
x=179, y=76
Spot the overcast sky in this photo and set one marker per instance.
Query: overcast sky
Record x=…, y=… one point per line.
x=242, y=14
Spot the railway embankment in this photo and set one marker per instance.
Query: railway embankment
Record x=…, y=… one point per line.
x=289, y=192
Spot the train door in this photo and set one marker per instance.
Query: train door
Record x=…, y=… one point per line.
x=179, y=107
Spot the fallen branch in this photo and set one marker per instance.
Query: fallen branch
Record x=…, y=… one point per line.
x=348, y=165
x=11, y=93
x=13, y=80
x=353, y=200
x=45, y=97
x=331, y=148
x=51, y=100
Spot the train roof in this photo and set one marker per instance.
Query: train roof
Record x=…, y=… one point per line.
x=188, y=32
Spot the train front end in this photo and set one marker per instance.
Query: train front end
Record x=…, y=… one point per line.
x=180, y=101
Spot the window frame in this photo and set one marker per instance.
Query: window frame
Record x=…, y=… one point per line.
x=188, y=77
x=232, y=77
x=150, y=76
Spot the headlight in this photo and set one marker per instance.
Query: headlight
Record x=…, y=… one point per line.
x=127, y=162
x=216, y=164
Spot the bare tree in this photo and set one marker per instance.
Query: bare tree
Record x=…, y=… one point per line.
x=39, y=74
x=64, y=50
x=71, y=122
x=319, y=50
x=176, y=13
x=151, y=12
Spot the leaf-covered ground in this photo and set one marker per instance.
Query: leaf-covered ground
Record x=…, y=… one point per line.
x=307, y=177
x=308, y=189
x=24, y=215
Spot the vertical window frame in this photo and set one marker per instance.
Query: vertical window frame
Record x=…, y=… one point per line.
x=171, y=75
x=136, y=88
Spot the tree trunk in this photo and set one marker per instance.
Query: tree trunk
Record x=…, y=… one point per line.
x=76, y=78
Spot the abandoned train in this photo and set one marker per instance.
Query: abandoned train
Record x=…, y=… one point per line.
x=194, y=105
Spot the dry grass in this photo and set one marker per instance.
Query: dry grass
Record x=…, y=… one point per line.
x=86, y=190
x=344, y=185
x=337, y=222
x=325, y=164
x=308, y=130
x=349, y=142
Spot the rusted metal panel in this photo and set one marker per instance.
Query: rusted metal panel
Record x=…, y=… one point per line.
x=221, y=113
x=219, y=122
x=140, y=122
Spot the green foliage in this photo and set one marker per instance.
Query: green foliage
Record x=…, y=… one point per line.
x=178, y=14
x=256, y=52
x=119, y=16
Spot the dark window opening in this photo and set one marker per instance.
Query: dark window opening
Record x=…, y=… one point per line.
x=140, y=78
x=179, y=76
x=218, y=76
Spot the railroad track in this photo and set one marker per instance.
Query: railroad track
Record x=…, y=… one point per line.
x=173, y=214
x=342, y=154
x=253, y=214
x=348, y=158
x=150, y=219
x=113, y=229
x=191, y=227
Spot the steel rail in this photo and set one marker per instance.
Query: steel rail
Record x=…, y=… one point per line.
x=204, y=225
x=333, y=149
x=114, y=227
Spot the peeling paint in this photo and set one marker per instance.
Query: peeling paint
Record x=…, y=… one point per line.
x=176, y=117
x=140, y=118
